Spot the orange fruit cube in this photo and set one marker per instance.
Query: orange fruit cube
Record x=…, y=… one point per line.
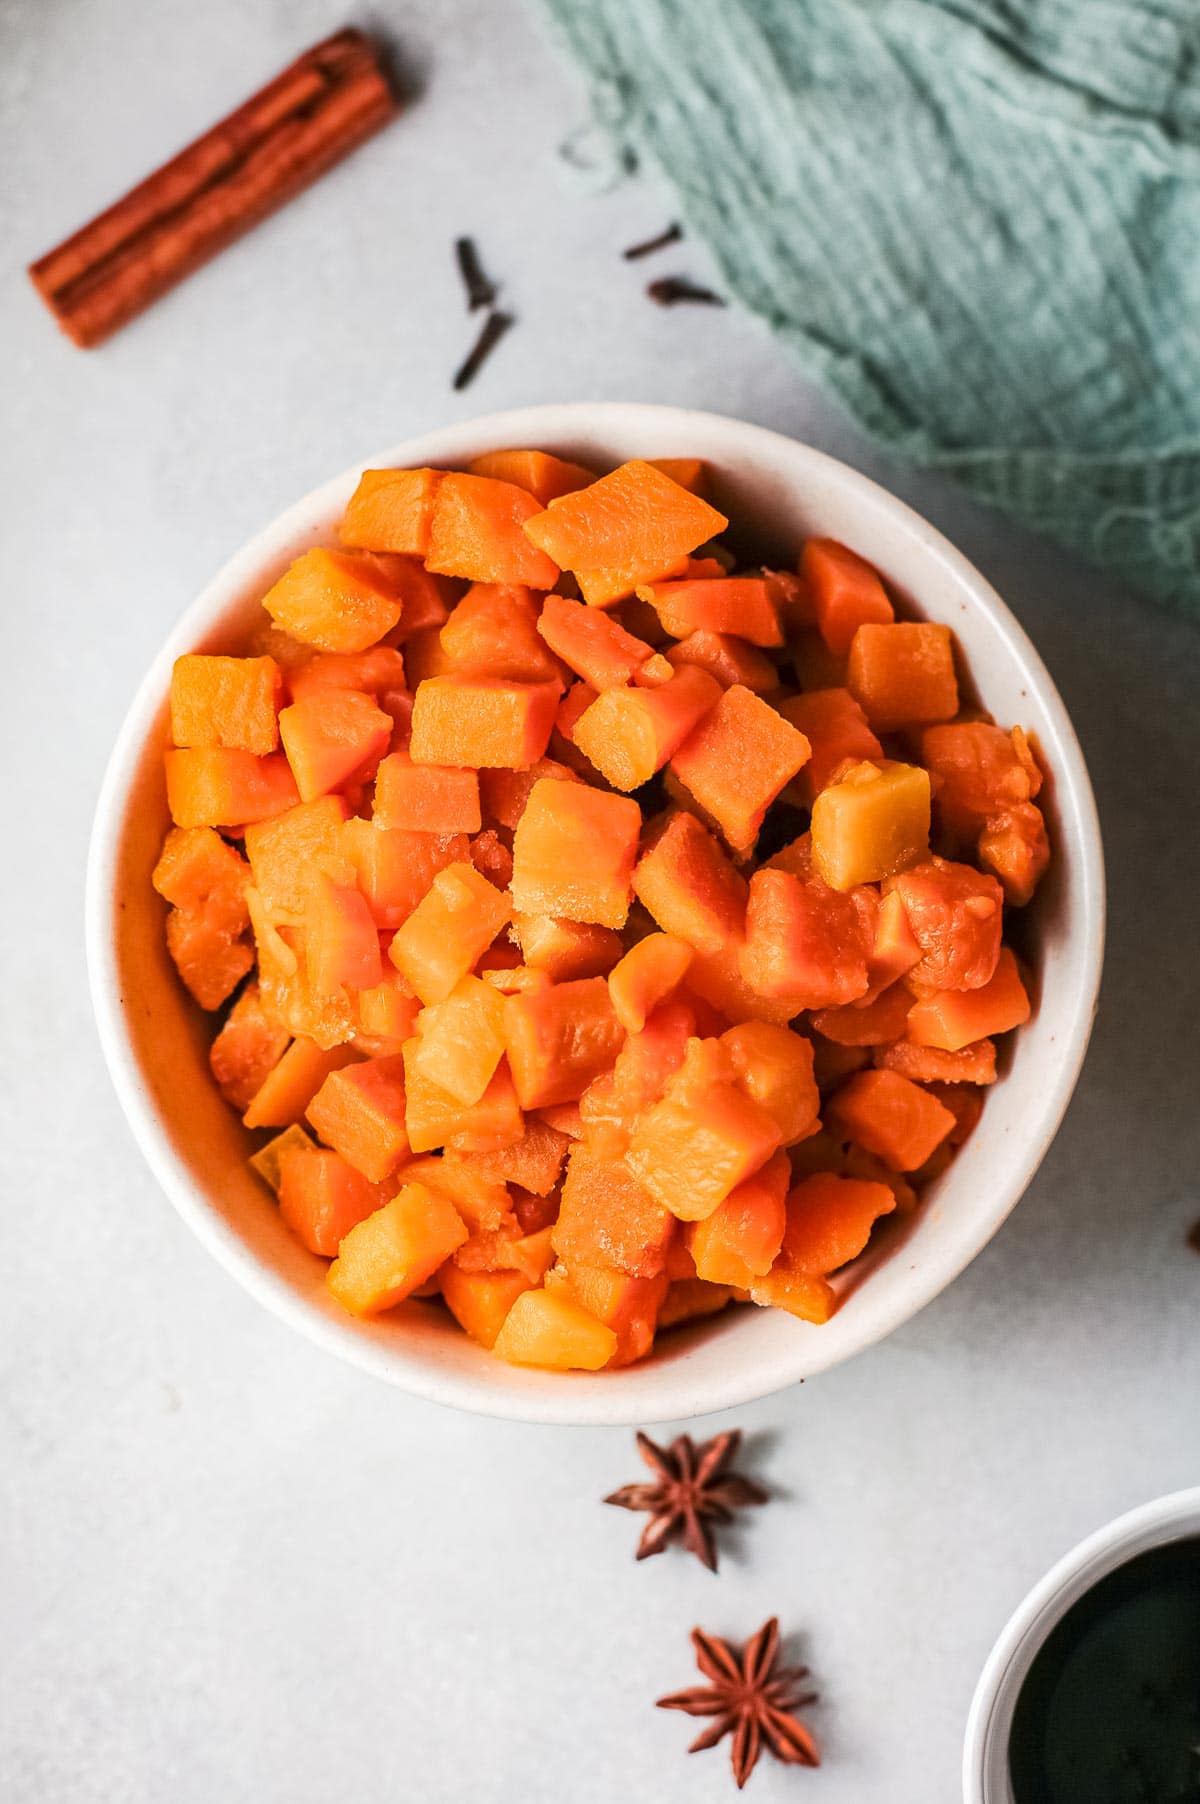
x=230, y=702
x=395, y=1250
x=574, y=853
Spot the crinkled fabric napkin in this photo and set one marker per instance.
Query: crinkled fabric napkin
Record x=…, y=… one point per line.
x=978, y=222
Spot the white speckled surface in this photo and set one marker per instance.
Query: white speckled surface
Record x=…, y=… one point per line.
x=231, y=1568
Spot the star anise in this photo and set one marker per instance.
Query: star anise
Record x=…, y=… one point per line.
x=693, y=1489
x=750, y=1698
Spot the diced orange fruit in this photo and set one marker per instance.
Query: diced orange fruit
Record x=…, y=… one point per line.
x=391, y=510
x=729, y=659
x=321, y=1198
x=956, y=916
x=608, y=1218
x=231, y=702
x=210, y=961
x=565, y=950
x=738, y=760
x=534, y=1162
x=544, y=476
x=494, y=632
x=838, y=733
x=505, y=793
x=425, y=798
x=480, y=1301
x=774, y=1067
x=507, y=1248
x=335, y=600
x=331, y=737
x=629, y=1306
x=292, y=1083
x=868, y=1023
x=435, y=1118
x=267, y=1162
x=974, y=1063
x=476, y=531
x=689, y=886
x=691, y=473
x=871, y=823
x=846, y=592
x=460, y=1041
x=979, y=772
x=377, y=671
x=574, y=852
x=288, y=851
x=717, y=980
x=246, y=1050
x=448, y=931
x=1014, y=845
x=392, y=1253
x=559, y=1039
x=359, y=1111
x=425, y=599
x=646, y=976
x=952, y=1019
x=211, y=786
x=829, y=1221
x=809, y=1299
x=200, y=874
x=546, y=1328
x=594, y=645
x=492, y=858
x=691, y=1299
x=895, y=951
x=740, y=1240
x=482, y=723
x=903, y=674
x=806, y=943
x=625, y=529
x=394, y=869
x=744, y=605
x=341, y=941
x=388, y=1010
x=890, y=1116
x=628, y=734
x=703, y=1139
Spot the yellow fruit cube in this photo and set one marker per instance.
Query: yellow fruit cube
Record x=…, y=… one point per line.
x=872, y=824
x=390, y=1254
x=461, y=1041
x=546, y=1328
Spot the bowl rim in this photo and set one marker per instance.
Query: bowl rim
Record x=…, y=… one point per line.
x=675, y=1393
x=985, y=1750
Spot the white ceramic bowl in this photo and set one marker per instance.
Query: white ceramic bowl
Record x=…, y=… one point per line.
x=985, y=1759
x=155, y=1041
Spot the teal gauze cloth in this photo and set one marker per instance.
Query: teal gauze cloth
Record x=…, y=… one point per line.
x=977, y=220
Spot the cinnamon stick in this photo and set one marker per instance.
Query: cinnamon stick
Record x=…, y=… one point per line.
x=291, y=131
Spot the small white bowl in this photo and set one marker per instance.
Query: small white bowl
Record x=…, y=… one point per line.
x=777, y=492
x=989, y=1725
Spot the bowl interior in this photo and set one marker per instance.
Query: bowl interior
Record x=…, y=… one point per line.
x=156, y=1041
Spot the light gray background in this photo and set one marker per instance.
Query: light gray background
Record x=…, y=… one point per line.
x=232, y=1569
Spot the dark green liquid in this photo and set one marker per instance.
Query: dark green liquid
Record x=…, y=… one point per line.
x=1110, y=1710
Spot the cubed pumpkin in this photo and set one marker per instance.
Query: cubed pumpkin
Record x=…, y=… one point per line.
x=395, y=1250
x=231, y=702
x=737, y=760
x=481, y=723
x=574, y=853
x=336, y=600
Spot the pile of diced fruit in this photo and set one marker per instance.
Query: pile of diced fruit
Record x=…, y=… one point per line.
x=615, y=933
